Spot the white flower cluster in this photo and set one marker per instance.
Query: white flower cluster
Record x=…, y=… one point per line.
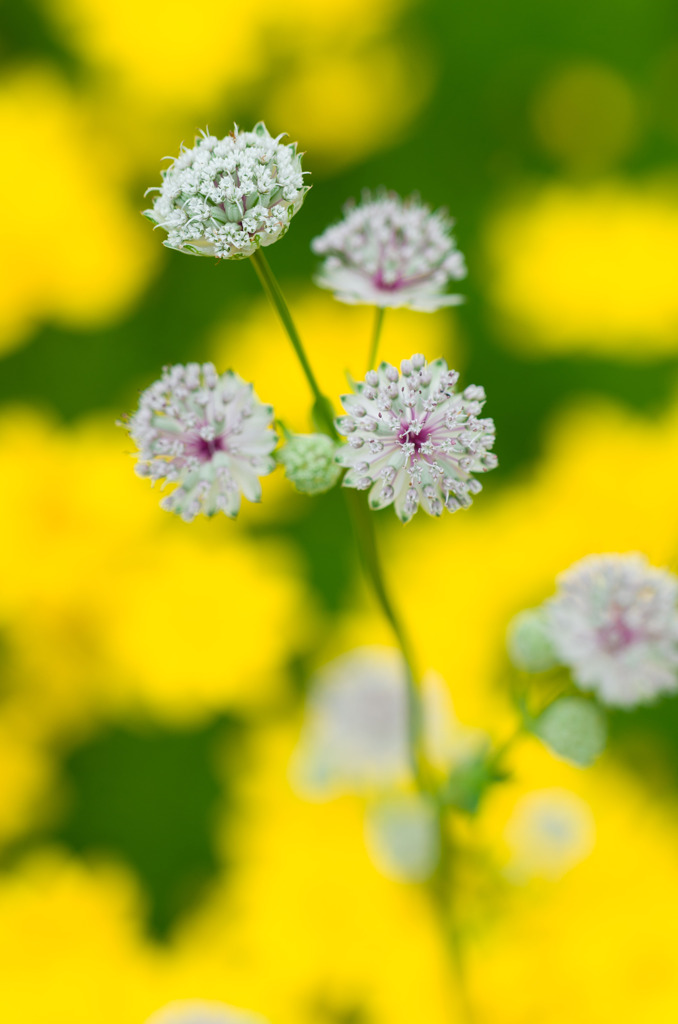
x=614, y=623
x=226, y=197
x=391, y=252
x=206, y=432
x=413, y=440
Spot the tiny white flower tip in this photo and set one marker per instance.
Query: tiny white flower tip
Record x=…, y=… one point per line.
x=227, y=197
x=614, y=622
x=206, y=433
x=390, y=252
x=197, y=1011
x=413, y=441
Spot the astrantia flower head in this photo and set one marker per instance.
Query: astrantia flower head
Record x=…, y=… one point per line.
x=309, y=461
x=226, y=197
x=391, y=252
x=413, y=440
x=206, y=432
x=614, y=623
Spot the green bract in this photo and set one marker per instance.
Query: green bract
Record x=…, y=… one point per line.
x=529, y=642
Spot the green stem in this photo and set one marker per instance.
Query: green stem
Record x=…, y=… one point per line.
x=363, y=525
x=441, y=890
x=322, y=406
x=376, y=334
x=441, y=885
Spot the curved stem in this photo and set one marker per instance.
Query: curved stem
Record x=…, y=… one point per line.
x=322, y=406
x=440, y=888
x=376, y=335
x=363, y=526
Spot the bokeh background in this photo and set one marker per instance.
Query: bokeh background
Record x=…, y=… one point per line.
x=153, y=673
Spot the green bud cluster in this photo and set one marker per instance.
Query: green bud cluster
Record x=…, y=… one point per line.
x=309, y=462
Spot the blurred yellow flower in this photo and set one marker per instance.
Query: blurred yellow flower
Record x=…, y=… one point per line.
x=345, y=105
x=586, y=115
x=587, y=270
x=305, y=920
x=302, y=926
x=111, y=603
x=25, y=779
x=337, y=338
x=144, y=46
x=72, y=251
x=601, y=937
x=79, y=931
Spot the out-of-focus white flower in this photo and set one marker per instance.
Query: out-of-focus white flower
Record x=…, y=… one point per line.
x=614, y=623
x=309, y=461
x=195, y=1011
x=413, y=440
x=402, y=837
x=356, y=734
x=226, y=197
x=549, y=833
x=206, y=432
x=390, y=252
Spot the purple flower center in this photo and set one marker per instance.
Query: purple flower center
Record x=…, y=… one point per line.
x=616, y=635
x=386, y=286
x=204, y=450
x=415, y=437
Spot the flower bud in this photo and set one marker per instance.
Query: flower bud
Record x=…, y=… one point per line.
x=529, y=642
x=402, y=837
x=573, y=729
x=308, y=460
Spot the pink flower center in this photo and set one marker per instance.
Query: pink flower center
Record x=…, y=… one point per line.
x=616, y=635
x=204, y=450
x=386, y=286
x=415, y=437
